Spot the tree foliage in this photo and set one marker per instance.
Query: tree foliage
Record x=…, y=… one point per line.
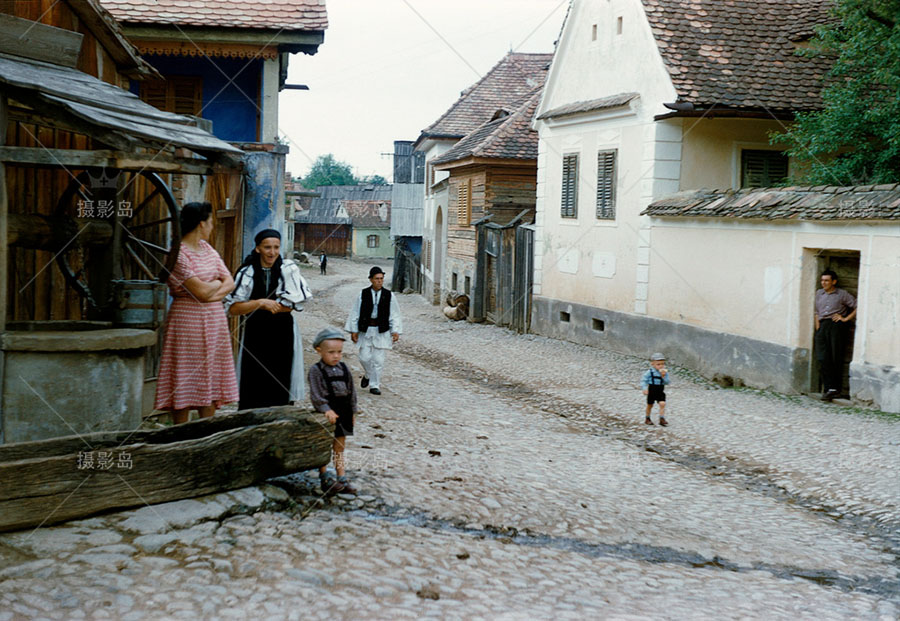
x=326, y=170
x=855, y=138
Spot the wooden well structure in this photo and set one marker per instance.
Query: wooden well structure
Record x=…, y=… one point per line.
x=86, y=169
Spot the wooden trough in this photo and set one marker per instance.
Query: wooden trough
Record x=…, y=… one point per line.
x=61, y=479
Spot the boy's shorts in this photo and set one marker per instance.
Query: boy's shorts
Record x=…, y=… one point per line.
x=343, y=426
x=655, y=392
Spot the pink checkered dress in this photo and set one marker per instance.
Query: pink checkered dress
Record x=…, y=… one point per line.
x=197, y=366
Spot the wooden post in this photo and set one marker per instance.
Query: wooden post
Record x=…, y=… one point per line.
x=4, y=272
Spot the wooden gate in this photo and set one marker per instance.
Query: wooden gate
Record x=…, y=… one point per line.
x=523, y=279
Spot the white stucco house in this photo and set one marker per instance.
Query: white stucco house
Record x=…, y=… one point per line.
x=647, y=101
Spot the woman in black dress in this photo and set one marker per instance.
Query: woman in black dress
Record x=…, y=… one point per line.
x=267, y=289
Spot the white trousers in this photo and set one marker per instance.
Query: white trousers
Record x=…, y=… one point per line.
x=372, y=359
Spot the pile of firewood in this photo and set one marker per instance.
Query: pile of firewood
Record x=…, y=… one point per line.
x=457, y=306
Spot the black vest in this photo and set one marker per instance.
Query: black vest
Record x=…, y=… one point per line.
x=365, y=310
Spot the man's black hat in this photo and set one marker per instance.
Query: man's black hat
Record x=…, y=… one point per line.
x=375, y=271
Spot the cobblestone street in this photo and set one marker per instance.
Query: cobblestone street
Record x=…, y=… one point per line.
x=507, y=476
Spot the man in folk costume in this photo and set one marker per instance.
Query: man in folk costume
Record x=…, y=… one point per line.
x=374, y=325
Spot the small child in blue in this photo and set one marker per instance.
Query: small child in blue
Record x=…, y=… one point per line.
x=654, y=382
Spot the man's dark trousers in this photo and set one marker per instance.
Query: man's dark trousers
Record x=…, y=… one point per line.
x=830, y=341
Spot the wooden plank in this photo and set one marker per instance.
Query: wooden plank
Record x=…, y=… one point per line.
x=38, y=480
x=22, y=37
x=107, y=158
x=4, y=273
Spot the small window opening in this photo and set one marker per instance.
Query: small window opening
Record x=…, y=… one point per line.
x=565, y=317
x=455, y=281
x=594, y=32
x=597, y=324
x=619, y=26
x=468, y=285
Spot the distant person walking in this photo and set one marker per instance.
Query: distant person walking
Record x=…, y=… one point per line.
x=196, y=369
x=270, y=359
x=375, y=325
x=323, y=263
x=833, y=309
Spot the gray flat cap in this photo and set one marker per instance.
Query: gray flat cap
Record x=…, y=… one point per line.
x=327, y=334
x=657, y=356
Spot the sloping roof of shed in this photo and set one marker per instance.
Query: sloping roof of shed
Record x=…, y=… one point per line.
x=287, y=15
x=107, y=112
x=503, y=87
x=740, y=53
x=881, y=202
x=593, y=105
x=508, y=137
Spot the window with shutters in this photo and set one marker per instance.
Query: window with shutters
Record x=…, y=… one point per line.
x=181, y=94
x=372, y=241
x=464, y=203
x=569, y=202
x=763, y=169
x=606, y=185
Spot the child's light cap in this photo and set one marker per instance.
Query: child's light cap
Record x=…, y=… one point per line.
x=657, y=356
x=327, y=334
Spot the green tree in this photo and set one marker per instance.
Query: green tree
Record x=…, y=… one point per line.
x=855, y=138
x=328, y=171
x=374, y=180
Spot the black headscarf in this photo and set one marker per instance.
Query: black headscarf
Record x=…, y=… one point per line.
x=259, y=276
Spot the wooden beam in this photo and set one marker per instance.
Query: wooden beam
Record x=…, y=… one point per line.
x=233, y=450
x=4, y=252
x=106, y=158
x=223, y=35
x=23, y=37
x=109, y=34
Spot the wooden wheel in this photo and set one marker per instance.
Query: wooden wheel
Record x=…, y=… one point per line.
x=141, y=232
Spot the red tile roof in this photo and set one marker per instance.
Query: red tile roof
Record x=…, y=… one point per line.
x=508, y=137
x=880, y=202
x=503, y=87
x=287, y=15
x=740, y=53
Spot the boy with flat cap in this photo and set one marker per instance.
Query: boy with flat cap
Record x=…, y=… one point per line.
x=374, y=325
x=332, y=392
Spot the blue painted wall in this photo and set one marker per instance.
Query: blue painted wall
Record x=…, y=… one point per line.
x=263, y=196
x=230, y=105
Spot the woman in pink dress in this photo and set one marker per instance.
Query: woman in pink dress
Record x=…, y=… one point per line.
x=196, y=370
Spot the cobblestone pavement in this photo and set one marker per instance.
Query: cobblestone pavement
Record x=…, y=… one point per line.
x=504, y=476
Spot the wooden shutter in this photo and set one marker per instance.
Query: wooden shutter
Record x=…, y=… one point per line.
x=187, y=95
x=763, y=169
x=178, y=94
x=154, y=93
x=569, y=202
x=606, y=185
x=464, y=203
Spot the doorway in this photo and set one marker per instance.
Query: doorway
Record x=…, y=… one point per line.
x=844, y=263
